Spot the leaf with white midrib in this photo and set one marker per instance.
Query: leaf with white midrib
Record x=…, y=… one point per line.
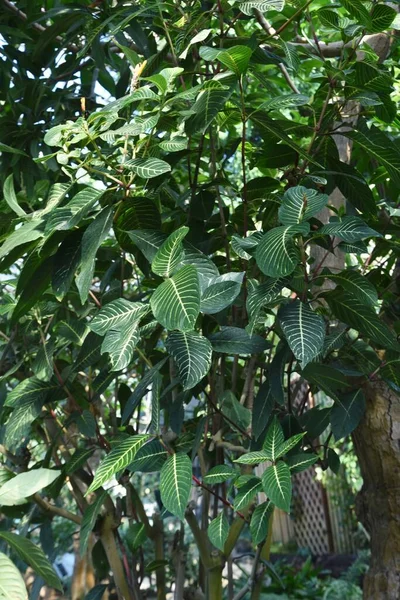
x=300, y=462
x=147, y=168
x=277, y=254
x=176, y=302
x=169, y=254
x=16, y=490
x=218, y=296
x=349, y=229
x=249, y=6
x=175, y=483
x=346, y=413
x=287, y=445
x=12, y=586
x=117, y=460
x=246, y=493
x=303, y=329
x=150, y=457
x=218, y=531
x=33, y=556
x=300, y=203
x=219, y=474
x=118, y=314
x=277, y=485
x=253, y=458
x=120, y=345
x=273, y=439
x=192, y=354
x=259, y=521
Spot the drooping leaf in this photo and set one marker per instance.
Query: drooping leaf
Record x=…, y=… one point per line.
x=260, y=521
x=136, y=536
x=277, y=254
x=262, y=409
x=175, y=483
x=303, y=329
x=33, y=556
x=192, y=355
x=218, y=296
x=326, y=378
x=346, y=413
x=141, y=388
x=277, y=485
x=218, y=531
x=117, y=460
x=233, y=340
x=10, y=196
x=176, y=302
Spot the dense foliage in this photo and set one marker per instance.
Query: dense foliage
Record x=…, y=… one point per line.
x=171, y=296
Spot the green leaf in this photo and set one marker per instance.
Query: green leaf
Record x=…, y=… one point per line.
x=300, y=204
x=356, y=285
x=118, y=314
x=176, y=302
x=135, y=213
x=326, y=378
x=263, y=6
x=19, y=488
x=66, y=262
x=147, y=241
x=27, y=233
x=149, y=458
x=33, y=556
x=9, y=149
x=260, y=521
x=346, y=413
x=253, y=458
x=277, y=485
x=349, y=229
x=97, y=593
x=117, y=460
x=169, y=254
x=233, y=340
x=287, y=445
x=274, y=439
x=140, y=390
x=391, y=371
x=301, y=462
x=91, y=241
x=218, y=531
x=303, y=329
x=246, y=493
x=10, y=196
x=70, y=215
x=236, y=412
x=136, y=536
x=382, y=17
x=12, y=585
x=30, y=390
x=89, y=354
x=218, y=296
x=89, y=521
x=316, y=420
x=147, y=168
x=351, y=183
x=363, y=318
x=18, y=425
x=235, y=58
x=219, y=474
x=207, y=106
x=78, y=459
x=262, y=409
x=192, y=355
x=176, y=483
x=176, y=144
x=277, y=254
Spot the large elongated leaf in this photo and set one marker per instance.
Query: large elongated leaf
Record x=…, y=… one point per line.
x=218, y=531
x=218, y=296
x=141, y=388
x=33, y=556
x=303, y=329
x=277, y=485
x=27, y=233
x=260, y=520
x=91, y=241
x=70, y=215
x=253, y=458
x=30, y=390
x=262, y=409
x=10, y=196
x=361, y=317
x=148, y=241
x=277, y=254
x=346, y=413
x=89, y=520
x=357, y=285
x=133, y=214
x=192, y=355
x=273, y=439
x=149, y=458
x=12, y=586
x=175, y=483
x=120, y=345
x=117, y=460
x=19, y=424
x=301, y=462
x=170, y=253
x=16, y=490
x=300, y=203
x=117, y=315
x=147, y=168
x=176, y=302
x=326, y=378
x=349, y=229
x=206, y=108
x=233, y=340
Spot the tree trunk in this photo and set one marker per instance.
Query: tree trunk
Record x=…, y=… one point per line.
x=377, y=443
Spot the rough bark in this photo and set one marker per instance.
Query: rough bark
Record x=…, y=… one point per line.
x=377, y=443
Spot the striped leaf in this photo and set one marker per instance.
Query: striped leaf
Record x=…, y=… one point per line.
x=176, y=144
x=253, y=458
x=233, y=340
x=219, y=474
x=301, y=462
x=277, y=485
x=207, y=106
x=192, y=355
x=30, y=390
x=303, y=329
x=120, y=345
x=349, y=229
x=12, y=585
x=117, y=460
x=326, y=378
x=135, y=213
x=260, y=295
x=361, y=317
x=246, y=493
x=287, y=445
x=218, y=531
x=18, y=426
x=175, y=484
x=148, y=241
x=391, y=372
x=70, y=215
x=218, y=296
x=117, y=315
x=300, y=203
x=235, y=58
x=78, y=459
x=277, y=254
x=249, y=6
x=149, y=458
x=346, y=413
x=147, y=168
x=89, y=521
x=170, y=254
x=176, y=302
x=357, y=285
x=274, y=439
x=259, y=522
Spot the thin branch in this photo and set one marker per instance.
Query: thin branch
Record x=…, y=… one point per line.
x=55, y=510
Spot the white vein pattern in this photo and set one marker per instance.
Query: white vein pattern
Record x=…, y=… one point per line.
x=218, y=296
x=246, y=493
x=262, y=5
x=277, y=485
x=175, y=483
x=218, y=531
x=12, y=585
x=117, y=314
x=259, y=521
x=349, y=229
x=300, y=203
x=277, y=254
x=303, y=329
x=273, y=439
x=147, y=168
x=119, y=457
x=170, y=253
x=176, y=302
x=192, y=355
x=300, y=462
x=120, y=344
